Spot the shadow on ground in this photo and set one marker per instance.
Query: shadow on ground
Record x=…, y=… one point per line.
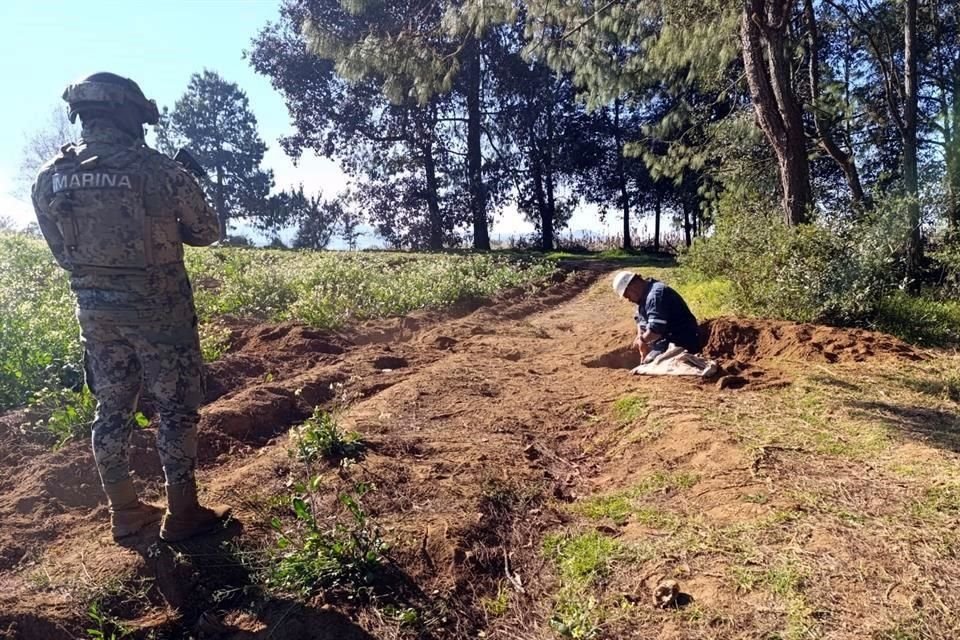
x=199, y=581
x=934, y=427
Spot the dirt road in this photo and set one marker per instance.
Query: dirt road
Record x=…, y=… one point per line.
x=490, y=430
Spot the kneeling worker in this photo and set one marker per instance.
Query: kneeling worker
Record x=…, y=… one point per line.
x=663, y=317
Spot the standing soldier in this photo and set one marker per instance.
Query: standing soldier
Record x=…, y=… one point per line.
x=116, y=215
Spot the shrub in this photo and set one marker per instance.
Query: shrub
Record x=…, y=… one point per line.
x=921, y=320
x=806, y=273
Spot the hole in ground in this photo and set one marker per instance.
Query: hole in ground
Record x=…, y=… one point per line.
x=622, y=358
x=389, y=362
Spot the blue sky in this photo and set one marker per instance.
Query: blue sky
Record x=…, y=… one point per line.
x=46, y=45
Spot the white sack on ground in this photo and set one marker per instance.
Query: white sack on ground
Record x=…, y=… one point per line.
x=677, y=361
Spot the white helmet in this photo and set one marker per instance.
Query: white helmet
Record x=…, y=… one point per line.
x=621, y=281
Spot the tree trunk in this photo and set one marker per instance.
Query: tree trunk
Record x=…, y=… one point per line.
x=478, y=205
x=763, y=24
x=433, y=201
x=909, y=131
x=687, y=224
x=539, y=195
x=845, y=160
x=952, y=142
x=221, y=204
x=551, y=209
x=656, y=221
x=622, y=177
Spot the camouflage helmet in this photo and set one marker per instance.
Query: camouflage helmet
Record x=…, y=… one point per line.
x=109, y=91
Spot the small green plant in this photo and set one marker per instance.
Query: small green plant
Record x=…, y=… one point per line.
x=581, y=558
x=629, y=408
x=313, y=556
x=621, y=505
x=321, y=437
x=576, y=616
x=106, y=628
x=499, y=605
x=406, y=616
x=617, y=507
x=68, y=414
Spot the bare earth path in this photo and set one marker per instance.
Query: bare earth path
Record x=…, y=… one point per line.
x=531, y=488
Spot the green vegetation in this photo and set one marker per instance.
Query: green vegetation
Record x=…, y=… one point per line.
x=38, y=334
x=925, y=320
x=321, y=437
x=327, y=290
x=581, y=561
x=939, y=500
x=499, y=605
x=581, y=558
x=629, y=408
x=786, y=581
x=848, y=276
x=619, y=506
x=39, y=339
x=68, y=414
x=805, y=273
x=707, y=298
x=105, y=627
x=214, y=341
x=311, y=556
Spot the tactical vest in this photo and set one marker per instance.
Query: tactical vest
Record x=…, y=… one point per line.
x=99, y=205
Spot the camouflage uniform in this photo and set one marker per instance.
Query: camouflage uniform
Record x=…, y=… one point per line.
x=116, y=214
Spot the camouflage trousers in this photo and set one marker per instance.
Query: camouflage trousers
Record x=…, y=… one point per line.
x=120, y=359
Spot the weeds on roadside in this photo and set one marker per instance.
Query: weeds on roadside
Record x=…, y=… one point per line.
x=315, y=555
x=321, y=437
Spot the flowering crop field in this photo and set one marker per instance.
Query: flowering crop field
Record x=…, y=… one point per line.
x=38, y=334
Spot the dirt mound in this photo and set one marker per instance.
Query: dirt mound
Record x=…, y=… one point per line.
x=287, y=337
x=748, y=340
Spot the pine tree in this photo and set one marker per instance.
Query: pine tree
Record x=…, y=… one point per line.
x=213, y=119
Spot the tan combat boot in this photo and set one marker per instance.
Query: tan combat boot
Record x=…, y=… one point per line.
x=185, y=518
x=127, y=514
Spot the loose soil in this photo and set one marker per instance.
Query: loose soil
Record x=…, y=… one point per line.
x=484, y=425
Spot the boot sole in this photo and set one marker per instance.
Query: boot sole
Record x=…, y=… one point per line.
x=204, y=531
x=126, y=533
